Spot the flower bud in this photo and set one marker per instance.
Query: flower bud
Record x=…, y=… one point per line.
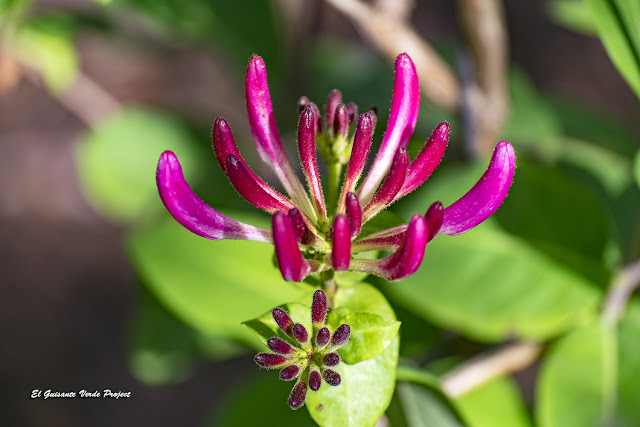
x=315, y=379
x=280, y=346
x=289, y=373
x=270, y=360
x=331, y=359
x=298, y=395
x=319, y=308
x=331, y=377
x=323, y=337
x=341, y=335
x=282, y=319
x=300, y=333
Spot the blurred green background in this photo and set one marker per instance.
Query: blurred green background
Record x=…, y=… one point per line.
x=102, y=289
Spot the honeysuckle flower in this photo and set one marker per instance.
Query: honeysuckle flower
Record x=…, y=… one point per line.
x=308, y=359
x=319, y=228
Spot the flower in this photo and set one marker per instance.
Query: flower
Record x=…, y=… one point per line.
x=307, y=359
x=314, y=233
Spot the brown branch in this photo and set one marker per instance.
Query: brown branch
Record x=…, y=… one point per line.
x=394, y=36
x=482, y=369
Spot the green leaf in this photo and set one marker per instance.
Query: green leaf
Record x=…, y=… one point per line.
x=118, y=158
x=618, y=23
x=212, y=286
x=50, y=50
x=636, y=168
x=416, y=405
x=628, y=395
x=367, y=387
x=490, y=286
x=370, y=334
x=495, y=404
x=576, y=387
x=573, y=14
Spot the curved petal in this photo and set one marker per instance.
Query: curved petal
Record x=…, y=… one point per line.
x=341, y=249
x=359, y=152
x=402, y=122
x=266, y=136
x=307, y=147
x=293, y=267
x=434, y=217
x=194, y=214
x=390, y=187
x=406, y=260
x=485, y=197
x=353, y=210
x=427, y=160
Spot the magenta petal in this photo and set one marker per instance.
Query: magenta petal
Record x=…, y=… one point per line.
x=390, y=187
x=434, y=217
x=341, y=251
x=335, y=98
x=194, y=214
x=251, y=190
x=406, y=260
x=307, y=148
x=353, y=211
x=341, y=122
x=485, y=197
x=402, y=122
x=359, y=152
x=388, y=240
x=293, y=267
x=427, y=160
x=266, y=136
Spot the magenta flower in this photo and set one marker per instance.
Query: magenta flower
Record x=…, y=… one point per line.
x=314, y=233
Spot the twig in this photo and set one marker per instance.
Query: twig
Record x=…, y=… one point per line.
x=478, y=371
x=620, y=290
x=487, y=100
x=399, y=10
x=392, y=37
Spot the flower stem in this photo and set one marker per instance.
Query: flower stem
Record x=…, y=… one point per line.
x=330, y=287
x=335, y=172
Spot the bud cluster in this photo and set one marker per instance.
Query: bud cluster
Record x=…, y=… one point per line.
x=304, y=357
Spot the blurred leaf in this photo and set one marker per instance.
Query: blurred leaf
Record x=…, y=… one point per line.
x=558, y=216
x=48, y=48
x=212, y=286
x=495, y=404
x=117, y=161
x=367, y=387
x=261, y=401
x=577, y=382
x=415, y=405
x=636, y=168
x=618, y=23
x=266, y=327
x=572, y=14
x=627, y=412
x=532, y=121
x=490, y=286
x=370, y=334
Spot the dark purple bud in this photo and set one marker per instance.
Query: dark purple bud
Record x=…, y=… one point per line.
x=300, y=333
x=298, y=395
x=331, y=359
x=341, y=335
x=352, y=112
x=335, y=97
x=319, y=308
x=331, y=377
x=315, y=379
x=434, y=217
x=270, y=360
x=354, y=213
x=303, y=102
x=289, y=373
x=280, y=346
x=341, y=122
x=283, y=320
x=323, y=337
x=341, y=250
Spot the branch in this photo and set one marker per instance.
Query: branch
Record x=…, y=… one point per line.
x=620, y=290
x=394, y=36
x=482, y=369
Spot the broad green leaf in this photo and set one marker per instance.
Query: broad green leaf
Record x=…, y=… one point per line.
x=362, y=396
x=618, y=23
x=212, y=286
x=370, y=334
x=490, y=286
x=118, y=158
x=415, y=405
x=261, y=401
x=367, y=387
x=576, y=386
x=266, y=327
x=628, y=395
x=573, y=14
x=495, y=404
x=49, y=50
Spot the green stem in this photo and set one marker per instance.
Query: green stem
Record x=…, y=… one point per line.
x=335, y=173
